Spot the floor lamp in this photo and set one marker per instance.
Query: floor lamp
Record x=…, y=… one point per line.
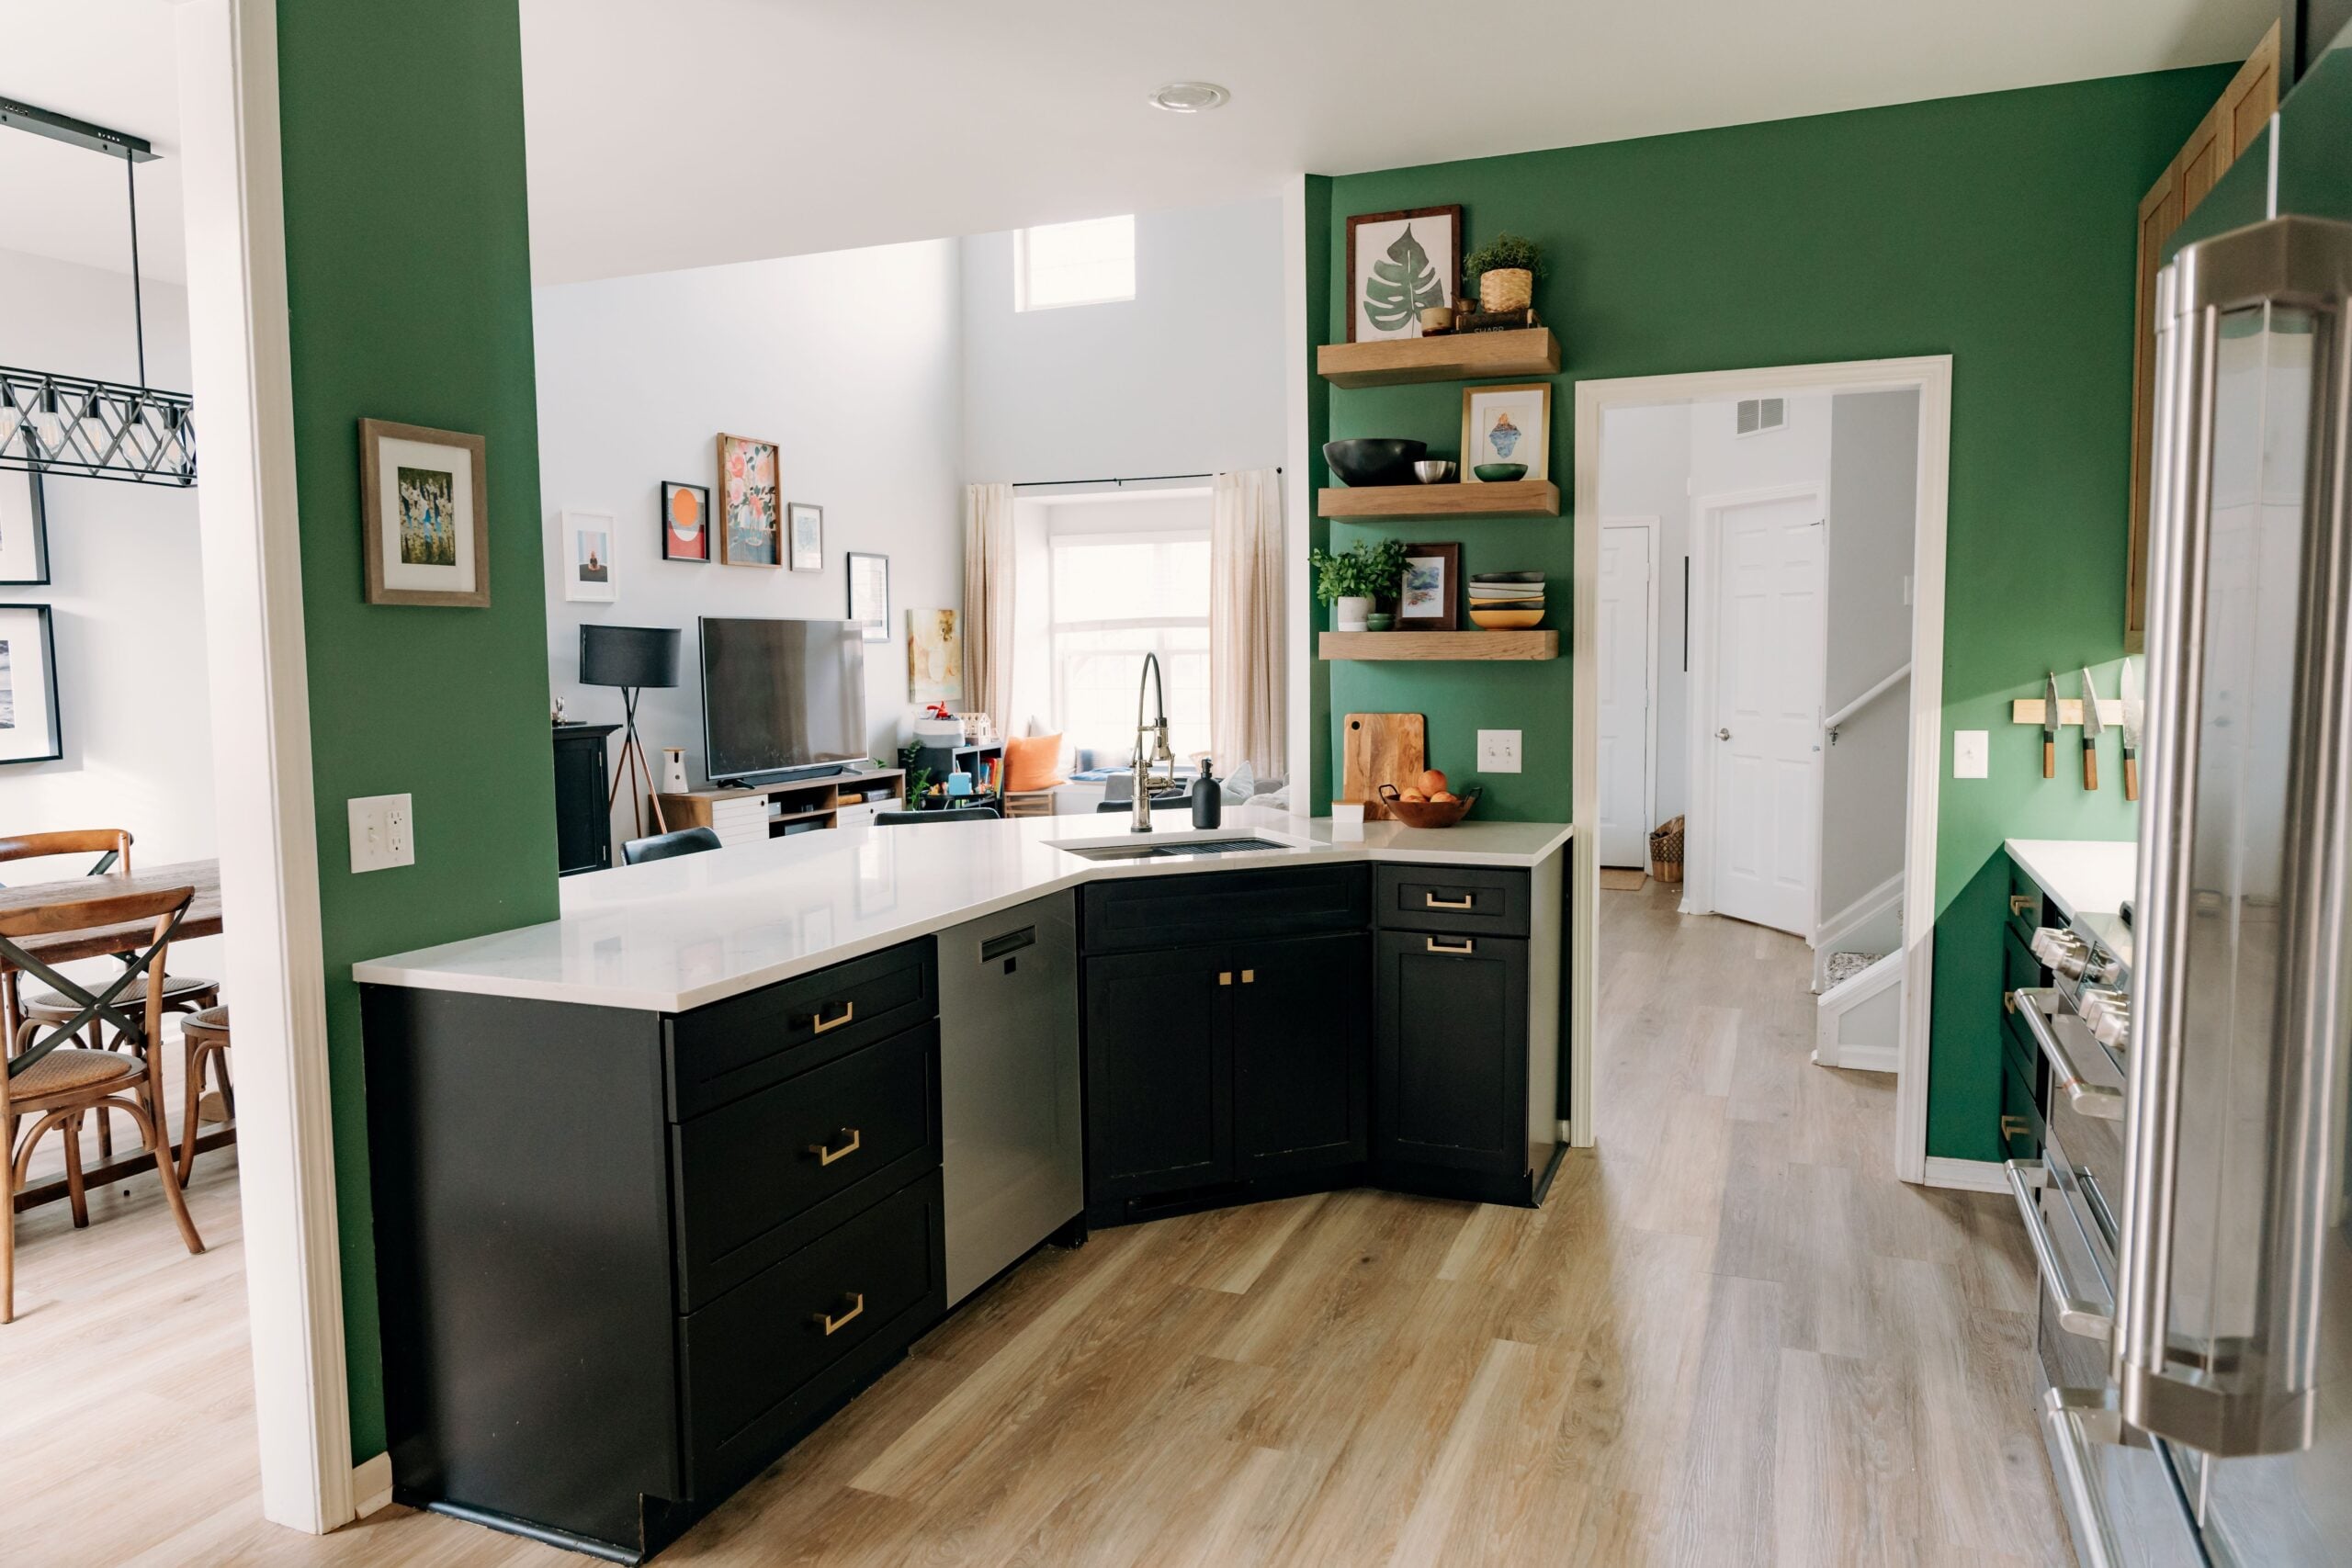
x=631, y=658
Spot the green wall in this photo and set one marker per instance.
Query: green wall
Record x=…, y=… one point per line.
x=1997, y=229
x=409, y=286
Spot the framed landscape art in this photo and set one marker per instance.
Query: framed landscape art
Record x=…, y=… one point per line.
x=1399, y=265
x=1430, y=598
x=685, y=521
x=424, y=515
x=751, y=517
x=28, y=726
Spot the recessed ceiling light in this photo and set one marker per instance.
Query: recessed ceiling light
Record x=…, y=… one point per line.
x=1189, y=97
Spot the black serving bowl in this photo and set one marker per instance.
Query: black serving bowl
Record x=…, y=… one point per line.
x=1373, y=461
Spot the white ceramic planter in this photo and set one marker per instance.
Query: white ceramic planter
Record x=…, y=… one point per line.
x=1350, y=612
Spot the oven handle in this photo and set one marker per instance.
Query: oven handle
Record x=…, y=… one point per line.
x=2089, y=1099
x=2073, y=1420
x=2075, y=1315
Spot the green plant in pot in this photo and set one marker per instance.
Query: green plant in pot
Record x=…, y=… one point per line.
x=1506, y=268
x=1350, y=581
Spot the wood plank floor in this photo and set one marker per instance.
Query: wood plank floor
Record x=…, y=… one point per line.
x=1730, y=1337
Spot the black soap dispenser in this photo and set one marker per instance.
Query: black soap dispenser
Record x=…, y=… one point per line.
x=1208, y=799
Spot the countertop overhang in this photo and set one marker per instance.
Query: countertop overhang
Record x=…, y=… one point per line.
x=2086, y=877
x=675, y=934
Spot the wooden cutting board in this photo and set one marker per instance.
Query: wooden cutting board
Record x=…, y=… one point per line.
x=1378, y=749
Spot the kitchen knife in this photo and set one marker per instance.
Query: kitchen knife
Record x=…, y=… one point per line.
x=2132, y=711
x=2091, y=728
x=2049, y=725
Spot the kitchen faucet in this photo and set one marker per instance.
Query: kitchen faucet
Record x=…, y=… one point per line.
x=1153, y=736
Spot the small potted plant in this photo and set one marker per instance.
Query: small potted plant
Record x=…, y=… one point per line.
x=1350, y=580
x=1507, y=267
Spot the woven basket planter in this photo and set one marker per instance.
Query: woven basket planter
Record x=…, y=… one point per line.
x=1506, y=288
x=1665, y=850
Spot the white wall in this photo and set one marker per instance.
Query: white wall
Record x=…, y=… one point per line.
x=1646, y=472
x=124, y=587
x=849, y=361
x=1186, y=377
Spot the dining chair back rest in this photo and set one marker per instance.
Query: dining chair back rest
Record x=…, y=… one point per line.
x=111, y=845
x=670, y=845
x=166, y=908
x=952, y=813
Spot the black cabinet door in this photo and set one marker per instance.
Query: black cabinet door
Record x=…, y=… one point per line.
x=1159, y=1072
x=583, y=829
x=1452, y=1034
x=1301, y=1035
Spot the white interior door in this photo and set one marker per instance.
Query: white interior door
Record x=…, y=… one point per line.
x=1623, y=640
x=1767, y=730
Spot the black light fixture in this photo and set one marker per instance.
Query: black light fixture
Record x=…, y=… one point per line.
x=631, y=658
x=105, y=430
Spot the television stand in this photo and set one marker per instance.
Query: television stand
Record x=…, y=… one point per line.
x=792, y=806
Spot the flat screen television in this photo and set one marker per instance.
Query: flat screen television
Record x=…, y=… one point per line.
x=781, y=699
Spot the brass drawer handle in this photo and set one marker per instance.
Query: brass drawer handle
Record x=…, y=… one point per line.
x=827, y=1157
x=1434, y=902
x=1225, y=976
x=1467, y=947
x=830, y=1323
x=2009, y=1003
x=2020, y=902
x=1249, y=976
x=819, y=1023
x=2016, y=1127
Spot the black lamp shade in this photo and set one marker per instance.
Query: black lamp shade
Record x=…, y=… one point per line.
x=629, y=656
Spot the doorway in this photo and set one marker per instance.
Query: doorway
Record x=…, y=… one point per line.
x=1628, y=653
x=1749, y=658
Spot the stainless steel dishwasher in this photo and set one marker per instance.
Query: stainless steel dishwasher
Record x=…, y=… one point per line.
x=1014, y=1165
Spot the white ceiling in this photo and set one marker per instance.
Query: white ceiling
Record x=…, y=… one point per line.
x=667, y=133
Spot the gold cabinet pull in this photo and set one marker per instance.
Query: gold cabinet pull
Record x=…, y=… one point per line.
x=1434, y=902
x=2016, y=1127
x=1467, y=947
x=1225, y=976
x=1249, y=976
x=819, y=1023
x=827, y=1155
x=2020, y=902
x=2009, y=1003
x=829, y=1322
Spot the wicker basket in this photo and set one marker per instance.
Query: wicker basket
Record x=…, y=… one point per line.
x=1665, y=850
x=1506, y=288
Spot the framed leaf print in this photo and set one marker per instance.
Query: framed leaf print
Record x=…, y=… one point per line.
x=1399, y=265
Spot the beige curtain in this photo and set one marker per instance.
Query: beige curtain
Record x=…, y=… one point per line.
x=987, y=604
x=1247, y=649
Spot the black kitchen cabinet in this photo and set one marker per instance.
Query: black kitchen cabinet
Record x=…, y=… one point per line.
x=584, y=823
x=1158, y=1074
x=1451, y=1051
x=1301, y=1033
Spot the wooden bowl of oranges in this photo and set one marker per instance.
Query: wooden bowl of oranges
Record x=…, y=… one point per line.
x=1426, y=803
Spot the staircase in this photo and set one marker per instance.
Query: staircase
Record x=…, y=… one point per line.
x=1858, y=976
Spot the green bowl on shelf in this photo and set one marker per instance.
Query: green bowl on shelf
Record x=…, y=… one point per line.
x=1379, y=622
x=1500, y=473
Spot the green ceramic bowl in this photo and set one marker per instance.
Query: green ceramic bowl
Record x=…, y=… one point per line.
x=1500, y=473
x=1378, y=622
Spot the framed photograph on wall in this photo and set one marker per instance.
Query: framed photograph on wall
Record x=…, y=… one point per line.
x=935, y=657
x=1431, y=598
x=1399, y=263
x=423, y=516
x=28, y=726
x=869, y=594
x=685, y=521
x=588, y=572
x=1506, y=427
x=805, y=527
x=751, y=518
x=24, y=532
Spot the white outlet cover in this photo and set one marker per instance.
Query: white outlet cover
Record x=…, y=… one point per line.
x=383, y=833
x=1968, y=753
x=1498, y=750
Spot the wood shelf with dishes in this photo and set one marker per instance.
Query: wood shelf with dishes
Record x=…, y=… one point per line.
x=1490, y=645
x=1415, y=503
x=1452, y=356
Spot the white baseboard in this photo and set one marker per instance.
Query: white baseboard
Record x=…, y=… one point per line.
x=1966, y=1175
x=1864, y=1059
x=371, y=1486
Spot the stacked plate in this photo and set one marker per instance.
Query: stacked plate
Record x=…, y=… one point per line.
x=1506, y=600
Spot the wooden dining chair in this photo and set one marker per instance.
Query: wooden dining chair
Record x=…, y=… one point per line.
x=56, y=1082
x=204, y=1042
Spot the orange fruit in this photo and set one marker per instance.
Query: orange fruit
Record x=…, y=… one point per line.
x=1433, y=783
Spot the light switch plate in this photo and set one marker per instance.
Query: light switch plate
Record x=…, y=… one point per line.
x=1498, y=750
x=1968, y=748
x=383, y=834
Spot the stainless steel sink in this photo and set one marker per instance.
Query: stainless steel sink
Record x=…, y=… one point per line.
x=1173, y=850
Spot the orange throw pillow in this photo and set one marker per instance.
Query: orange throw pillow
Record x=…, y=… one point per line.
x=1031, y=762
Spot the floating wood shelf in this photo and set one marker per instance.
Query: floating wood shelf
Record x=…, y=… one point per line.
x=1405, y=503
x=1471, y=645
x=1453, y=357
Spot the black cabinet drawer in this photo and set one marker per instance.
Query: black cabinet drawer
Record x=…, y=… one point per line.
x=764, y=1175
x=1451, y=1044
x=758, y=1364
x=1485, y=900
x=730, y=1049
x=1136, y=913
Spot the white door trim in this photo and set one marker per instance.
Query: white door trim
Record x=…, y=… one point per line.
x=1706, y=539
x=1931, y=375
x=1649, y=689
x=261, y=750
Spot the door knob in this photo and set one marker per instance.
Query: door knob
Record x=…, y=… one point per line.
x=1723, y=734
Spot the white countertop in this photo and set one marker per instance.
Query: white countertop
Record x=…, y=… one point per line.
x=682, y=934
x=2086, y=877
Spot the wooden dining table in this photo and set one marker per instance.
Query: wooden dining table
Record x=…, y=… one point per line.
x=203, y=919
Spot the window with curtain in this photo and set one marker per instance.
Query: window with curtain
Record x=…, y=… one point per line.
x=1115, y=598
x=1088, y=262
